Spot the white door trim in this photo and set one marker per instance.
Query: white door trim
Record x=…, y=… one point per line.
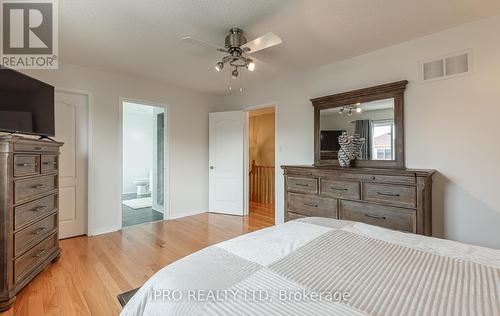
x=90, y=155
x=166, y=166
x=277, y=167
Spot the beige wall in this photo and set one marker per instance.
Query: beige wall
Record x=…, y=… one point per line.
x=187, y=132
x=261, y=139
x=444, y=122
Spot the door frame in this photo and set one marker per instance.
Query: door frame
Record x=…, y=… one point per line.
x=246, y=156
x=90, y=155
x=166, y=153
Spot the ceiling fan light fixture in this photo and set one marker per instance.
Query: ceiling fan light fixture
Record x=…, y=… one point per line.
x=234, y=73
x=219, y=66
x=251, y=66
x=358, y=110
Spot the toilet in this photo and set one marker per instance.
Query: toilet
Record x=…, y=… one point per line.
x=142, y=186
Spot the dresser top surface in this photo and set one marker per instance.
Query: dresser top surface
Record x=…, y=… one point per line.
x=22, y=139
x=384, y=171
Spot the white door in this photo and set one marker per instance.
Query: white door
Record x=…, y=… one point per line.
x=71, y=121
x=226, y=138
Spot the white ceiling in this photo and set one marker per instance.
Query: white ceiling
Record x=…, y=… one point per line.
x=142, y=38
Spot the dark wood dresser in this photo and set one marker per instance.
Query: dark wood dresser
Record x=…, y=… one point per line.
x=28, y=210
x=391, y=198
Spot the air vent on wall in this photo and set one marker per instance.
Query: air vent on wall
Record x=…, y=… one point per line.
x=450, y=66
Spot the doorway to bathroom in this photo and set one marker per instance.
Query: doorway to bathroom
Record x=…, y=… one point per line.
x=144, y=147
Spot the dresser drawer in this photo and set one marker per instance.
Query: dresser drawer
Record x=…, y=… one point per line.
x=392, y=194
x=312, y=205
x=34, y=233
x=29, y=212
x=385, y=216
x=48, y=163
x=35, y=147
x=26, y=165
x=340, y=189
x=31, y=259
x=299, y=184
x=25, y=189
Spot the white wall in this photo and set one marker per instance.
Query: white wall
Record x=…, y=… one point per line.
x=451, y=125
x=138, y=136
x=188, y=142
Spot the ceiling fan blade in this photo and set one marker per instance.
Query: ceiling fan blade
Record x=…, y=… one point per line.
x=195, y=41
x=262, y=66
x=265, y=41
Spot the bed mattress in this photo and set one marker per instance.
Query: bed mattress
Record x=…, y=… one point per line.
x=320, y=266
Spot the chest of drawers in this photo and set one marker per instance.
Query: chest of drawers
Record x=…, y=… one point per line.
x=395, y=199
x=29, y=214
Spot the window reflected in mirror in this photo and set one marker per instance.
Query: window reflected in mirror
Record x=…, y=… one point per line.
x=373, y=121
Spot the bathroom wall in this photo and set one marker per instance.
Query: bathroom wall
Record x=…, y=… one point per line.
x=138, y=137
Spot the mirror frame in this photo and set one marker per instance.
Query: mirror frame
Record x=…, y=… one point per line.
x=386, y=91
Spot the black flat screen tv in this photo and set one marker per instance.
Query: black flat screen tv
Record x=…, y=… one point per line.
x=329, y=140
x=26, y=104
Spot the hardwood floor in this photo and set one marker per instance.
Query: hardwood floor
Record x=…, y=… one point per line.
x=92, y=271
x=262, y=211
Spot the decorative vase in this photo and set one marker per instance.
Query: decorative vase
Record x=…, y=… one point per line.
x=343, y=155
x=350, y=148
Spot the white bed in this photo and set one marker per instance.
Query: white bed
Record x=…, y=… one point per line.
x=319, y=266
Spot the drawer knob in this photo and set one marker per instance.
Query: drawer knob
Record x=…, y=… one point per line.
x=38, y=186
x=311, y=204
x=388, y=194
x=339, y=189
x=373, y=178
x=375, y=216
x=39, y=231
x=40, y=253
x=38, y=208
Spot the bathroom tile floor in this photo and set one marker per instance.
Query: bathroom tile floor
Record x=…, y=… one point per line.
x=138, y=216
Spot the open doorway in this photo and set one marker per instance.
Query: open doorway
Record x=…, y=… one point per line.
x=261, y=157
x=143, y=163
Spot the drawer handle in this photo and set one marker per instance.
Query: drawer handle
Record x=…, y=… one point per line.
x=339, y=189
x=38, y=148
x=39, y=208
x=49, y=163
x=38, y=186
x=311, y=204
x=27, y=164
x=375, y=216
x=40, y=253
x=301, y=185
x=388, y=194
x=373, y=178
x=39, y=231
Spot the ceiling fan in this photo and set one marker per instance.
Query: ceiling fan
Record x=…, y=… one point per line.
x=236, y=47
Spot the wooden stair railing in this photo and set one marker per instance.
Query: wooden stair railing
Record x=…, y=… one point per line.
x=262, y=184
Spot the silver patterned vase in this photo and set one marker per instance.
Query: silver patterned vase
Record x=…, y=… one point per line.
x=343, y=156
x=350, y=148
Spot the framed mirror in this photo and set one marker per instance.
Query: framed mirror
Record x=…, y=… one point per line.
x=375, y=114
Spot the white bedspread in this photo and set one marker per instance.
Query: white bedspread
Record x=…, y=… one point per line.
x=319, y=266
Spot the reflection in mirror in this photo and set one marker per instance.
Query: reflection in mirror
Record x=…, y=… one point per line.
x=373, y=121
